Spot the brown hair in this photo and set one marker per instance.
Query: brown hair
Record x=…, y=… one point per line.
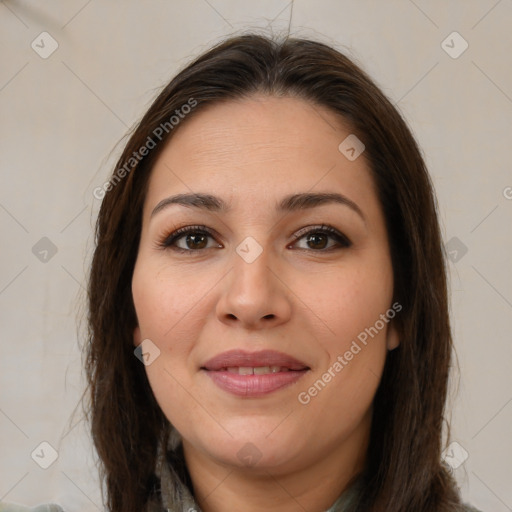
x=404, y=468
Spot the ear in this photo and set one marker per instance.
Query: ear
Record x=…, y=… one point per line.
x=137, y=338
x=392, y=337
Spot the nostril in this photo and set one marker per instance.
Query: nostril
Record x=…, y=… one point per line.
x=269, y=316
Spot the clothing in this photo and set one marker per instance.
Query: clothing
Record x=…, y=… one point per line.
x=176, y=496
x=175, y=488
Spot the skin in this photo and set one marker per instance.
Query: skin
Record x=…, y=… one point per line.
x=301, y=298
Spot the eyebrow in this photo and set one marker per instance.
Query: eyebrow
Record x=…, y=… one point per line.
x=289, y=203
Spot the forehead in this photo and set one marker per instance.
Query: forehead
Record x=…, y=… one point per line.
x=259, y=147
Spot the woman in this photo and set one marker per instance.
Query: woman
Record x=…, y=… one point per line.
x=268, y=304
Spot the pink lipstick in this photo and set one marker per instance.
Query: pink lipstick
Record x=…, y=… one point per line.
x=254, y=374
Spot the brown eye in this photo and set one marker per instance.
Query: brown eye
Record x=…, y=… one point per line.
x=317, y=239
x=189, y=239
x=196, y=241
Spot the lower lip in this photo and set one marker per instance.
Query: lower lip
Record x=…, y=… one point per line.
x=252, y=386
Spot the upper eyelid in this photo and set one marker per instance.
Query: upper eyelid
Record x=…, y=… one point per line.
x=330, y=231
x=317, y=227
x=179, y=233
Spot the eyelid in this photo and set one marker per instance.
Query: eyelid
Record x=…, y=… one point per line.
x=327, y=229
x=166, y=241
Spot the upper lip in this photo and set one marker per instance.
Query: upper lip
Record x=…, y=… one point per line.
x=237, y=358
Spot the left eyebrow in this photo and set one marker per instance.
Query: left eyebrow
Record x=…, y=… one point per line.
x=289, y=203
x=310, y=200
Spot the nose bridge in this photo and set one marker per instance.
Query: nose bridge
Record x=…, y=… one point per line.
x=253, y=292
x=251, y=266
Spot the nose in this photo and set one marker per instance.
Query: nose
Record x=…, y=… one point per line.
x=254, y=295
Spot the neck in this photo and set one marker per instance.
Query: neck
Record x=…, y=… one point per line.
x=314, y=485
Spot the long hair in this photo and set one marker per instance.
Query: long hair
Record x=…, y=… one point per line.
x=404, y=468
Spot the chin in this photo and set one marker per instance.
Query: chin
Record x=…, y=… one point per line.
x=255, y=447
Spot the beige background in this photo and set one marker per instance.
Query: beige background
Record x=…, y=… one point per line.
x=62, y=116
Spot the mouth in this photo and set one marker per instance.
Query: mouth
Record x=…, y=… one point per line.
x=255, y=370
x=255, y=374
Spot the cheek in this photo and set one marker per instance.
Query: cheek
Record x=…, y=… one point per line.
x=343, y=387
x=353, y=304
x=349, y=300
x=169, y=384
x=170, y=309
x=166, y=302
x=166, y=316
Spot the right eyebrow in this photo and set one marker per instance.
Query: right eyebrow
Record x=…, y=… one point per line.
x=289, y=203
x=202, y=201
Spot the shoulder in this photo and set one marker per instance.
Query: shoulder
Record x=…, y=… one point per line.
x=11, y=507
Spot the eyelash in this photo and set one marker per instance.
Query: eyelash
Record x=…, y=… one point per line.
x=168, y=241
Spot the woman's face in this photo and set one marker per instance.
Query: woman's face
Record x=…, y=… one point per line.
x=268, y=334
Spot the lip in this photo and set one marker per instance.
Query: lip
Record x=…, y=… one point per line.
x=262, y=358
x=253, y=386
